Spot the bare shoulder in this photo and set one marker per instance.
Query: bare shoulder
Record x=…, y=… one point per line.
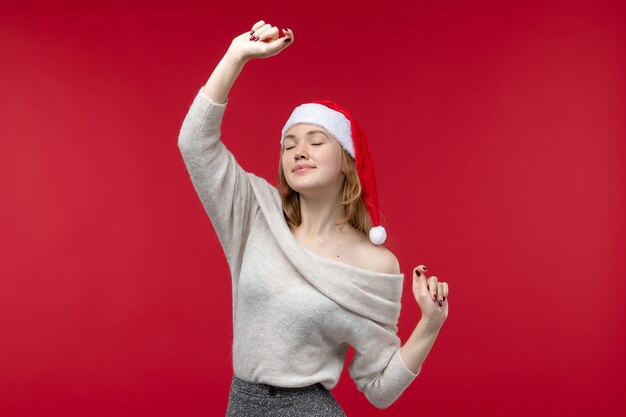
x=388, y=261
x=380, y=259
x=365, y=255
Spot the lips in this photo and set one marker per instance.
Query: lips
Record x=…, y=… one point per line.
x=302, y=168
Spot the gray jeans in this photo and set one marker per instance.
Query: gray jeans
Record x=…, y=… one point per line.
x=251, y=400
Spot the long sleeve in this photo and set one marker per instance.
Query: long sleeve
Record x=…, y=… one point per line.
x=377, y=368
x=221, y=184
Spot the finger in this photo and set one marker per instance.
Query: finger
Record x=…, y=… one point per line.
x=268, y=34
x=445, y=291
x=276, y=46
x=432, y=287
x=440, y=293
x=289, y=33
x=256, y=26
x=262, y=29
x=288, y=36
x=420, y=279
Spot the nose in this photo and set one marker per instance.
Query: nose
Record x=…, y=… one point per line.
x=300, y=153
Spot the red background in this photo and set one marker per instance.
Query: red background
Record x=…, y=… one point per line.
x=498, y=136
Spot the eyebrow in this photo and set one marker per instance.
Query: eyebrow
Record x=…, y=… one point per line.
x=309, y=133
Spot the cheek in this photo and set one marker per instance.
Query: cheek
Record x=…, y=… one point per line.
x=331, y=161
x=336, y=157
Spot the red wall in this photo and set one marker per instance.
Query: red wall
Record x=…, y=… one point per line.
x=498, y=136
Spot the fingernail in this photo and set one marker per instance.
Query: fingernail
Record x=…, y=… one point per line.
x=287, y=40
x=417, y=271
x=252, y=32
x=425, y=269
x=444, y=298
x=440, y=303
x=256, y=38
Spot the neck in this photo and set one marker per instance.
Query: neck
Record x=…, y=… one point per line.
x=320, y=215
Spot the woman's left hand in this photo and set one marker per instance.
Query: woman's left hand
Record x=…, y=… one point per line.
x=431, y=296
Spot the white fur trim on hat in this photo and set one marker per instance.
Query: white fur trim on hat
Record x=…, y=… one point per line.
x=333, y=121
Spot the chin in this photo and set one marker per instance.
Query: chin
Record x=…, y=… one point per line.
x=299, y=188
x=303, y=186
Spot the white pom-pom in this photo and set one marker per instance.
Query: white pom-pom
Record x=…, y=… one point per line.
x=378, y=235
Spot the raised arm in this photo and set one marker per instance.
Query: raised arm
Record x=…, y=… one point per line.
x=220, y=182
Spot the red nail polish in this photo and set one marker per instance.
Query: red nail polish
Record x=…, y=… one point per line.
x=252, y=32
x=256, y=38
x=440, y=304
x=287, y=40
x=417, y=271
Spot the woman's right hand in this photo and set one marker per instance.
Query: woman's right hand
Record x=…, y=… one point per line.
x=247, y=46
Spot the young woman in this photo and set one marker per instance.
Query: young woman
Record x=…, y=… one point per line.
x=309, y=275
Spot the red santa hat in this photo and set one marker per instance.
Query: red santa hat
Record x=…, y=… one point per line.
x=342, y=126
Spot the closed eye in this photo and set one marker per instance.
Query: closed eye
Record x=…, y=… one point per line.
x=314, y=144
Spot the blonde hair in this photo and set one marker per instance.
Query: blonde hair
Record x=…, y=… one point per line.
x=354, y=211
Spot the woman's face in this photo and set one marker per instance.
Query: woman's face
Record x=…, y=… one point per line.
x=312, y=147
